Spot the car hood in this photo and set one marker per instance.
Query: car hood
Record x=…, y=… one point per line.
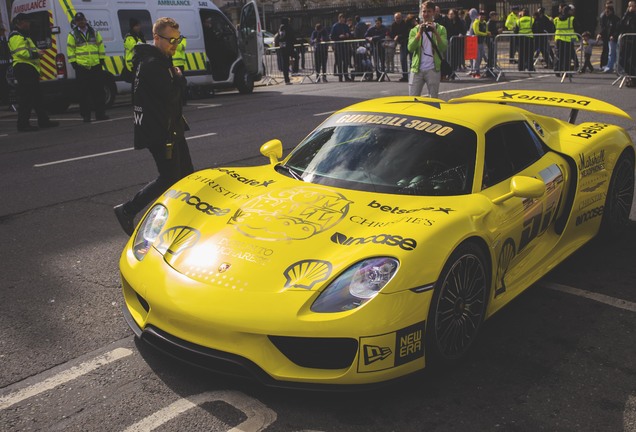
x=252, y=229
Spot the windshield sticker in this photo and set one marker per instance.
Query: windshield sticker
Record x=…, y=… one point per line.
x=396, y=121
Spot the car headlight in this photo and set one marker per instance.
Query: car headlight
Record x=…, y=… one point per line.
x=149, y=231
x=357, y=285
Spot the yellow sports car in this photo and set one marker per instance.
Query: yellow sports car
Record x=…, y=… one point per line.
x=381, y=243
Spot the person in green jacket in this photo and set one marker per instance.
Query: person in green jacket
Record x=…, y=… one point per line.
x=511, y=23
x=26, y=70
x=179, y=61
x=427, y=42
x=132, y=38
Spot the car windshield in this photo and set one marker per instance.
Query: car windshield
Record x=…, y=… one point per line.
x=388, y=154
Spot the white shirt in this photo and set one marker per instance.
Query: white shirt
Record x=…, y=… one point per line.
x=426, y=56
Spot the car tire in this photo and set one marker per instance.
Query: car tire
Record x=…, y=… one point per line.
x=458, y=306
x=620, y=196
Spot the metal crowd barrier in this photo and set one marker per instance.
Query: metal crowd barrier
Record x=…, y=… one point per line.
x=350, y=60
x=626, y=63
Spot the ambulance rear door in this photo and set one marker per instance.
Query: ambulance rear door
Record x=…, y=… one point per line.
x=250, y=39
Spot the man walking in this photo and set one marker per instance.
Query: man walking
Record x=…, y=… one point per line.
x=427, y=42
x=26, y=70
x=400, y=34
x=86, y=54
x=159, y=123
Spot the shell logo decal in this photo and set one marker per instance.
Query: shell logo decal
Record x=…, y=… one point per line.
x=307, y=273
x=177, y=239
x=290, y=214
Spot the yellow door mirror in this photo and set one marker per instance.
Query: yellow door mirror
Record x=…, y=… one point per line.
x=272, y=149
x=523, y=187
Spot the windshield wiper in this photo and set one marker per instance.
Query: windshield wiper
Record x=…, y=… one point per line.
x=290, y=171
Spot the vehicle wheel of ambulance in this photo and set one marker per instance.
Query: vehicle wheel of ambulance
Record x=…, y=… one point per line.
x=620, y=196
x=243, y=81
x=110, y=89
x=458, y=307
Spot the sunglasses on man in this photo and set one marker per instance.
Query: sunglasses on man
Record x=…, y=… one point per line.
x=171, y=41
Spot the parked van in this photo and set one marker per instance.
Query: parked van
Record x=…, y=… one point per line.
x=218, y=55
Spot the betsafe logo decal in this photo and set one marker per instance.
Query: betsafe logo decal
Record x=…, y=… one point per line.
x=407, y=244
x=559, y=100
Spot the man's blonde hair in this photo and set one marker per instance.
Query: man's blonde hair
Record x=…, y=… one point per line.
x=164, y=22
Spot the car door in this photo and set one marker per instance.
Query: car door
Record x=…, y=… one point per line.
x=521, y=226
x=251, y=39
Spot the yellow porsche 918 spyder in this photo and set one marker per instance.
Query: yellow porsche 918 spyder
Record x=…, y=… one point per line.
x=381, y=243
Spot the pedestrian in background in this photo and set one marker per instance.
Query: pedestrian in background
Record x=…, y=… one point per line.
x=158, y=118
x=510, y=24
x=627, y=56
x=564, y=38
x=427, y=42
x=586, y=46
x=319, y=38
x=284, y=40
x=526, y=40
x=86, y=55
x=132, y=38
x=494, y=28
x=375, y=36
x=400, y=34
x=543, y=25
x=609, y=34
x=340, y=33
x=5, y=62
x=26, y=70
x=179, y=61
x=455, y=32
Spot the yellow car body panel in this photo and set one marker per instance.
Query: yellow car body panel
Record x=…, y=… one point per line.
x=244, y=254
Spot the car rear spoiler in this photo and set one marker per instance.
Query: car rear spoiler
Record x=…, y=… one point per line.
x=546, y=98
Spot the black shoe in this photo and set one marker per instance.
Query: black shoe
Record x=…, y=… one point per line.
x=404, y=79
x=49, y=124
x=126, y=221
x=102, y=117
x=28, y=128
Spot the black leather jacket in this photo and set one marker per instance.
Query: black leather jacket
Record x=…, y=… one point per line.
x=157, y=110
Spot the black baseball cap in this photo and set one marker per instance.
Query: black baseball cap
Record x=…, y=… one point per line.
x=79, y=16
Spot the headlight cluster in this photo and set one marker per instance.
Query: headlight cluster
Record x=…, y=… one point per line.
x=357, y=285
x=149, y=231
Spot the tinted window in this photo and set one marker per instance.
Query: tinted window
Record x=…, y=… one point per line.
x=388, y=154
x=143, y=16
x=510, y=148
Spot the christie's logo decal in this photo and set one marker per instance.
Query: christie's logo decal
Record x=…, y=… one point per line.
x=290, y=214
x=360, y=220
x=591, y=163
x=307, y=273
x=407, y=244
x=196, y=202
x=218, y=187
x=250, y=182
x=398, y=210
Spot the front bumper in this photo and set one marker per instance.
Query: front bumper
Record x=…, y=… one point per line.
x=276, y=344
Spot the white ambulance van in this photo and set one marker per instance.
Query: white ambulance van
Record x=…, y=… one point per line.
x=218, y=55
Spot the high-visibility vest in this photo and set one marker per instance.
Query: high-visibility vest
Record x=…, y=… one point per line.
x=85, y=50
x=129, y=44
x=511, y=21
x=564, y=29
x=179, y=57
x=23, y=50
x=525, y=25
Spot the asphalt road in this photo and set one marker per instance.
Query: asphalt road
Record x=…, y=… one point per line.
x=560, y=357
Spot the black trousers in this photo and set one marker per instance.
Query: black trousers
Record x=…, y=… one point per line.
x=4, y=85
x=170, y=171
x=29, y=94
x=91, y=90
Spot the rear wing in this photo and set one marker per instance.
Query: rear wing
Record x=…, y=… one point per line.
x=546, y=98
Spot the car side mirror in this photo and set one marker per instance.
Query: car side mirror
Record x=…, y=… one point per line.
x=272, y=149
x=523, y=187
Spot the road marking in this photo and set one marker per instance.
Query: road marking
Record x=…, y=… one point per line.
x=601, y=298
x=81, y=157
x=324, y=113
x=258, y=415
x=107, y=153
x=63, y=377
x=110, y=120
x=204, y=106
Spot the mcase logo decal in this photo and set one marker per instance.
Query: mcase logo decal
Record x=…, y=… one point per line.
x=407, y=244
